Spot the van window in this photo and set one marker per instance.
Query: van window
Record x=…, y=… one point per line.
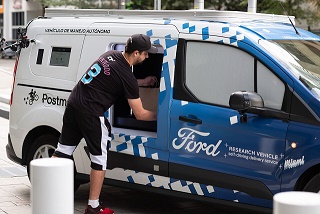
x=219, y=70
x=214, y=71
x=60, y=56
x=270, y=87
x=302, y=58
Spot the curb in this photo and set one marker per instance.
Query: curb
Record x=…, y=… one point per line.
x=4, y=100
x=4, y=107
x=4, y=114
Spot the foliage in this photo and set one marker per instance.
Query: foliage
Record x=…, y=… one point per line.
x=77, y=3
x=177, y=5
x=289, y=7
x=140, y=5
x=165, y=4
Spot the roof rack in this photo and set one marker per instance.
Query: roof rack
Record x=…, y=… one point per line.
x=210, y=15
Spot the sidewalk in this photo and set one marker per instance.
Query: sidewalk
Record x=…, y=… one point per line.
x=15, y=186
x=5, y=90
x=14, y=182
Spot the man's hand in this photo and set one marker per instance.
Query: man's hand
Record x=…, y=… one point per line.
x=148, y=81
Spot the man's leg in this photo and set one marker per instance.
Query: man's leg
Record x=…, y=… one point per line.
x=97, y=137
x=96, y=182
x=70, y=135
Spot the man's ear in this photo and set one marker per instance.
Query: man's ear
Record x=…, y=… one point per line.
x=135, y=53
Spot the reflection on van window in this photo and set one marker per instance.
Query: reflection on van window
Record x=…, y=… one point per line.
x=119, y=47
x=302, y=58
x=215, y=71
x=60, y=56
x=212, y=77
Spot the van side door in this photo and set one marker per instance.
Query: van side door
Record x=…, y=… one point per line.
x=208, y=143
x=136, y=145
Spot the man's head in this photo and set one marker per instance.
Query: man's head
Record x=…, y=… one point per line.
x=139, y=46
x=140, y=42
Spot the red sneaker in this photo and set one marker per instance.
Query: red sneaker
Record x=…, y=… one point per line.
x=98, y=210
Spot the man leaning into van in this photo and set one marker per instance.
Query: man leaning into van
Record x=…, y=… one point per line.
x=109, y=77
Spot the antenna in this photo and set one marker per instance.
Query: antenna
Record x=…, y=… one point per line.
x=289, y=19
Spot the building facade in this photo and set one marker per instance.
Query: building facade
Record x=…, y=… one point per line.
x=17, y=13
x=1, y=18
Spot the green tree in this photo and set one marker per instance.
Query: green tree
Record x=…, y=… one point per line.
x=165, y=4
x=313, y=17
x=291, y=7
x=77, y=3
x=295, y=8
x=46, y=3
x=140, y=5
x=177, y=5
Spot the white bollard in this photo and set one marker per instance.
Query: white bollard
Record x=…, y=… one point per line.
x=199, y=4
x=52, y=188
x=252, y=6
x=295, y=202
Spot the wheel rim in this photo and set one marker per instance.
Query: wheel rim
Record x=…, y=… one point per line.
x=44, y=151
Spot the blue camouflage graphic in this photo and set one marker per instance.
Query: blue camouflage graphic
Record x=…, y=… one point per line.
x=156, y=148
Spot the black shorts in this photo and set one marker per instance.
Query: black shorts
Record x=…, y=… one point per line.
x=94, y=129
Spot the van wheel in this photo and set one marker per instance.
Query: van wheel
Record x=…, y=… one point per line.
x=44, y=147
x=313, y=185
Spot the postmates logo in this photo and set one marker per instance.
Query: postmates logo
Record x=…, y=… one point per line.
x=31, y=98
x=51, y=100
x=47, y=99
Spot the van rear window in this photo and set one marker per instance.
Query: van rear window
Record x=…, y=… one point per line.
x=60, y=56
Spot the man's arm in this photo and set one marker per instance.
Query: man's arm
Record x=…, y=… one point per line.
x=140, y=112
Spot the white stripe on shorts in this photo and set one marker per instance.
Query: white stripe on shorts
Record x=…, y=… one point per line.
x=102, y=159
x=68, y=150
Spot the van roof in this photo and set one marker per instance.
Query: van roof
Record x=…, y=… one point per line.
x=208, y=15
x=229, y=23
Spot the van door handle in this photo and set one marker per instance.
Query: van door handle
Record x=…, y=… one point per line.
x=190, y=120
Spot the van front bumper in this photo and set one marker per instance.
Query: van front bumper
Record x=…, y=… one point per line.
x=10, y=152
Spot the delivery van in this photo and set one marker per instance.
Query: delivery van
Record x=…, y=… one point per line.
x=237, y=101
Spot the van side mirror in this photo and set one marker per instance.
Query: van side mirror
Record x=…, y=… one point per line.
x=244, y=101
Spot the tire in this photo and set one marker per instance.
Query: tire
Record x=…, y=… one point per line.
x=44, y=147
x=313, y=185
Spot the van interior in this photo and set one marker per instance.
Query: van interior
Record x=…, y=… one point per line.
x=123, y=116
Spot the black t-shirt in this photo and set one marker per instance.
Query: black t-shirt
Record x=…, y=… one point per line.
x=107, y=79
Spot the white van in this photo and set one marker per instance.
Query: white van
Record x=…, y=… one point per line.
x=238, y=101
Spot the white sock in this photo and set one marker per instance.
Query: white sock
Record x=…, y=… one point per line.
x=93, y=203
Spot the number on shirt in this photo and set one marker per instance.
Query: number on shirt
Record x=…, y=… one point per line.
x=93, y=72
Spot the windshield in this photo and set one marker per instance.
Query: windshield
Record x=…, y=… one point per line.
x=301, y=57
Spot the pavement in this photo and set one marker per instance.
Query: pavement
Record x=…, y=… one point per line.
x=5, y=89
x=14, y=182
x=15, y=186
